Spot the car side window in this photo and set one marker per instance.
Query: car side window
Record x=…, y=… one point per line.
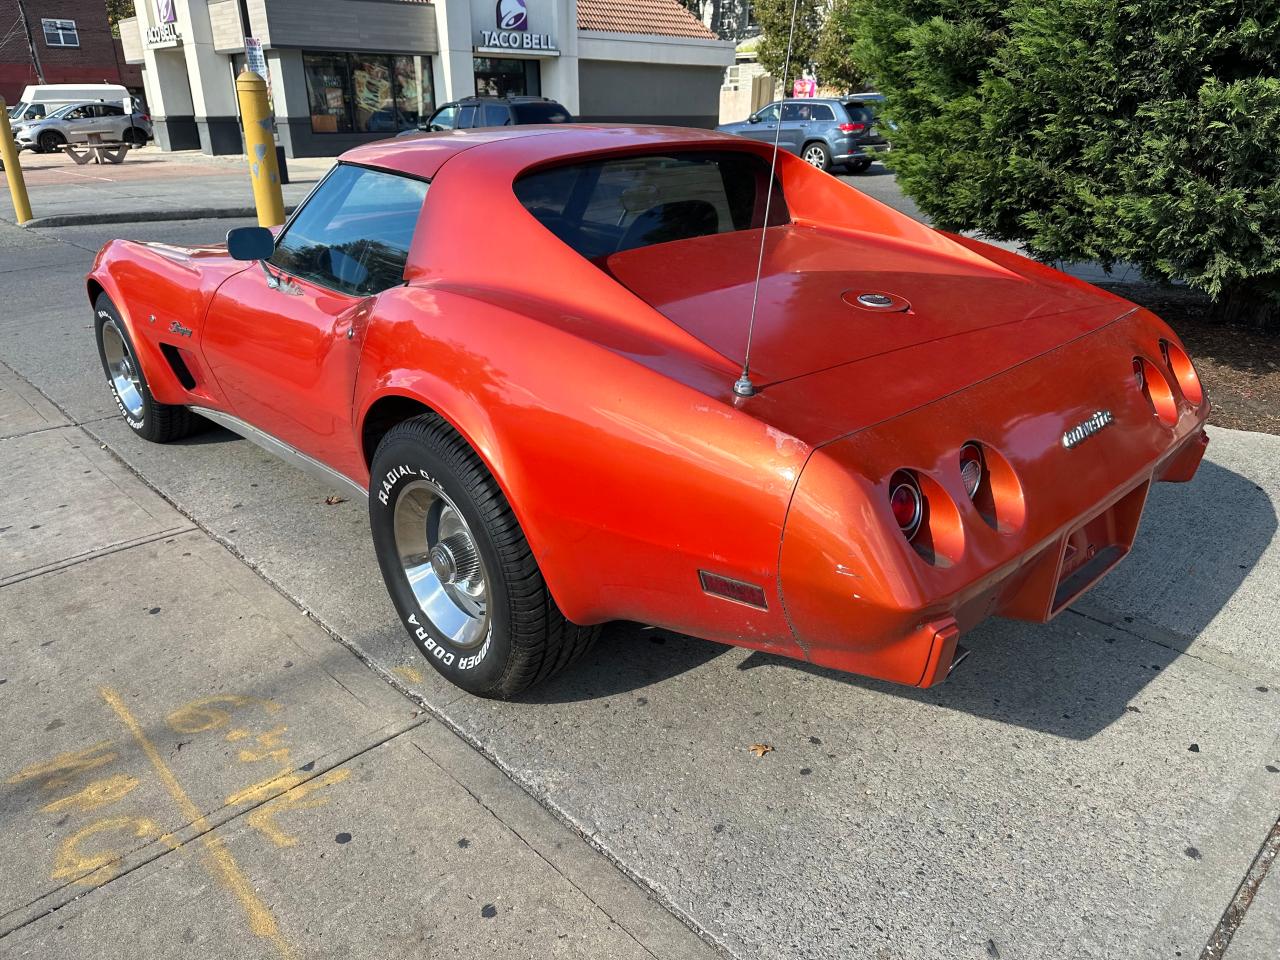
x=353, y=234
x=820, y=111
x=496, y=115
x=79, y=113
x=796, y=112
x=109, y=110
x=769, y=114
x=466, y=116
x=446, y=118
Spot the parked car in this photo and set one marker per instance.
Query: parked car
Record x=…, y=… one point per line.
x=529, y=352
x=39, y=100
x=471, y=112
x=76, y=121
x=825, y=133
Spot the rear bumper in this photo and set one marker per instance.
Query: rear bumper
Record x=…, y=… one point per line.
x=861, y=598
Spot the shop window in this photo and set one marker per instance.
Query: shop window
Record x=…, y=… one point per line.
x=61, y=33
x=502, y=77
x=367, y=92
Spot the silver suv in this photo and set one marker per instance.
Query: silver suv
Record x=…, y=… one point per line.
x=74, y=122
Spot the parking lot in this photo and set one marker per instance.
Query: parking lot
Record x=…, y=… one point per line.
x=210, y=646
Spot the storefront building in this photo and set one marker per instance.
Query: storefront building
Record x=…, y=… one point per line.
x=343, y=72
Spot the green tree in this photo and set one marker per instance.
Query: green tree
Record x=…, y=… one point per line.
x=118, y=10
x=1094, y=129
x=836, y=65
x=774, y=18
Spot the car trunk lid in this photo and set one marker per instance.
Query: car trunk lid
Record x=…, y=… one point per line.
x=809, y=316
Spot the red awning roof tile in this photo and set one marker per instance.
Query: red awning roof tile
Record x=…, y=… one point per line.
x=664, y=18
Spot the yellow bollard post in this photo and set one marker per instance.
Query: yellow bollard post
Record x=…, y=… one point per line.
x=260, y=147
x=12, y=169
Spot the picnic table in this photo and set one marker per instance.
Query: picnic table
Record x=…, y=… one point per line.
x=96, y=149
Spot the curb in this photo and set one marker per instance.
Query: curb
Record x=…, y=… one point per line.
x=143, y=216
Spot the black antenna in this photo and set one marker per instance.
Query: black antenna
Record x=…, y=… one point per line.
x=743, y=386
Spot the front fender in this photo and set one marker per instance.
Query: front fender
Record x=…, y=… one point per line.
x=162, y=294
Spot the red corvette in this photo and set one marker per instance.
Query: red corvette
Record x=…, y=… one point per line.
x=523, y=344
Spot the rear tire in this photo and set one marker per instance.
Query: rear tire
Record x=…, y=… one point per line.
x=859, y=166
x=147, y=417
x=50, y=141
x=817, y=155
x=135, y=137
x=458, y=567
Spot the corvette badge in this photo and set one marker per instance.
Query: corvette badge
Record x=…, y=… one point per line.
x=1083, y=431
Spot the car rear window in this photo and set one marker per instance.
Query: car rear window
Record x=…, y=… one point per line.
x=606, y=206
x=540, y=113
x=860, y=113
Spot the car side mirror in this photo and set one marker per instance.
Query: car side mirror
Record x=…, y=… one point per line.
x=754, y=118
x=250, y=243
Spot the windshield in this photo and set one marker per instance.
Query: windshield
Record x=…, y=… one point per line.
x=540, y=113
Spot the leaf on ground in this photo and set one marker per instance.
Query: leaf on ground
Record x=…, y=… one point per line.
x=334, y=498
x=760, y=749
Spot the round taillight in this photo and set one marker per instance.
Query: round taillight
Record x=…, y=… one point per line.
x=1180, y=365
x=907, y=503
x=971, y=468
x=1155, y=387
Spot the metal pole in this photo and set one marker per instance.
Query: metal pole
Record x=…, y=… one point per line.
x=12, y=169
x=31, y=42
x=260, y=146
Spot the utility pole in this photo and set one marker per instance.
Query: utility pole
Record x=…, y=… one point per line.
x=31, y=42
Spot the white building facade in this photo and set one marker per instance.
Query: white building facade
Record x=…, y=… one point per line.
x=343, y=72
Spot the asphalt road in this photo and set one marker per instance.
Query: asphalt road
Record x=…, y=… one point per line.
x=1096, y=787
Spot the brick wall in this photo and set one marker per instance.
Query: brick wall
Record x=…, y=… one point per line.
x=96, y=60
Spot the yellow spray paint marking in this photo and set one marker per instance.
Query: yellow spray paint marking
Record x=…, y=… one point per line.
x=212, y=712
x=412, y=674
x=239, y=733
x=95, y=795
x=299, y=798
x=92, y=869
x=265, y=789
x=222, y=864
x=66, y=767
x=271, y=748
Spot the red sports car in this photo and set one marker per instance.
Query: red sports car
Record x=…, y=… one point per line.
x=523, y=345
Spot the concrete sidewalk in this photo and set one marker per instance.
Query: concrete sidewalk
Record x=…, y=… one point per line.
x=192, y=767
x=149, y=185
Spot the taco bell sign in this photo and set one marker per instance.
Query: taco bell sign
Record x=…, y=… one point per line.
x=512, y=31
x=512, y=15
x=165, y=30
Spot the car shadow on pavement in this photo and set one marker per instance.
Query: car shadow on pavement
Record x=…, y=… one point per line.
x=1071, y=678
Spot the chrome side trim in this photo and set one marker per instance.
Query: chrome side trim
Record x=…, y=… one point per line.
x=291, y=455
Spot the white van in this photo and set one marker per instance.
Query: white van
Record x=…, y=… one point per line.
x=40, y=100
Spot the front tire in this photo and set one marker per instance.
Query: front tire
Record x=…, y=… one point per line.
x=147, y=417
x=817, y=155
x=458, y=567
x=50, y=141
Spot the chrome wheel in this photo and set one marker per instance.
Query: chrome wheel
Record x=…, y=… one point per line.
x=122, y=370
x=442, y=563
x=815, y=156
